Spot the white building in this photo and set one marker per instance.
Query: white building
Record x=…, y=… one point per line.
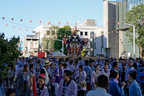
x=86, y=30
x=30, y=45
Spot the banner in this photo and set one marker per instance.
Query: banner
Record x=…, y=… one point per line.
x=41, y=54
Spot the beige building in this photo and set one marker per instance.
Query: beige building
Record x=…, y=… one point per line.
x=86, y=30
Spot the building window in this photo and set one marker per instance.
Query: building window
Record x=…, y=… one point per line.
x=53, y=32
x=86, y=33
x=31, y=44
x=92, y=35
x=48, y=32
x=81, y=33
x=26, y=50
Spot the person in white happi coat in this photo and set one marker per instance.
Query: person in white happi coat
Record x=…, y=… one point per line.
x=45, y=72
x=106, y=71
x=82, y=82
x=94, y=76
x=67, y=86
x=42, y=89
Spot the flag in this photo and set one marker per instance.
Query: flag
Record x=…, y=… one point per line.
x=34, y=87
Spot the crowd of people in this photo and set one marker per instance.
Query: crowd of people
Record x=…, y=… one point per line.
x=75, y=77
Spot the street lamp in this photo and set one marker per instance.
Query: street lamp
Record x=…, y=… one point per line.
x=62, y=45
x=133, y=39
x=39, y=41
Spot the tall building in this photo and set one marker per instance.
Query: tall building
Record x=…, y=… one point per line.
x=116, y=44
x=123, y=6
x=110, y=39
x=132, y=3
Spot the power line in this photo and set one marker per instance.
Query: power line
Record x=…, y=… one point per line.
x=17, y=24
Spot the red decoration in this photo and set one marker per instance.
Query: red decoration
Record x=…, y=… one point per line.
x=3, y=17
x=6, y=24
x=41, y=54
x=118, y=23
x=12, y=19
x=34, y=87
x=26, y=29
x=30, y=21
x=21, y=20
x=107, y=23
x=75, y=23
x=95, y=23
x=85, y=23
x=39, y=21
x=49, y=22
x=59, y=22
x=67, y=23
x=13, y=26
x=20, y=28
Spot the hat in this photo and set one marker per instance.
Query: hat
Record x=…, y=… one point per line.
x=46, y=62
x=42, y=76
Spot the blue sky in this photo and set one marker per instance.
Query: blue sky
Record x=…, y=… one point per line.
x=46, y=10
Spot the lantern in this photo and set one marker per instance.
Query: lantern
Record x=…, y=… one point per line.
x=26, y=29
x=20, y=28
x=85, y=23
x=21, y=20
x=60, y=35
x=6, y=24
x=39, y=21
x=12, y=19
x=75, y=23
x=118, y=23
x=107, y=23
x=49, y=22
x=3, y=18
x=67, y=23
x=59, y=22
x=30, y=21
x=13, y=26
x=95, y=23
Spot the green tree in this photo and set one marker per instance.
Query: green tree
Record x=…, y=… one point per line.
x=63, y=32
x=8, y=53
x=49, y=38
x=136, y=17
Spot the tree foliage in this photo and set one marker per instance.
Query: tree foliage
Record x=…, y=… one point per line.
x=136, y=17
x=49, y=38
x=63, y=32
x=8, y=53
